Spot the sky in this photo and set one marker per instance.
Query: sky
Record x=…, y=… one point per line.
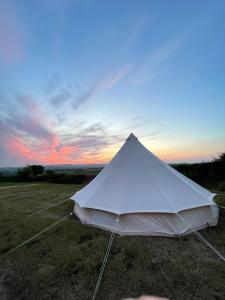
x=78, y=76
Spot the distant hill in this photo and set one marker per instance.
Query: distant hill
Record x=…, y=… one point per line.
x=8, y=171
x=75, y=166
x=13, y=170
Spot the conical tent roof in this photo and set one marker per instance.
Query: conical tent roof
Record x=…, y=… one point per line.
x=137, y=181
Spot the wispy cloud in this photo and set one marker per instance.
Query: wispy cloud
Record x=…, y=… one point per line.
x=11, y=35
x=164, y=52
x=62, y=96
x=137, y=122
x=147, y=69
x=140, y=126
x=95, y=128
x=100, y=86
x=27, y=137
x=27, y=120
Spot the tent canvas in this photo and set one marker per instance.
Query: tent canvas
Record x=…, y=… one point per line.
x=150, y=197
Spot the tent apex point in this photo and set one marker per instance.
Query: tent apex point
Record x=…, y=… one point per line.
x=132, y=136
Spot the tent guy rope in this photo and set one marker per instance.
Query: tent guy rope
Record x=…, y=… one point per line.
x=39, y=233
x=41, y=210
x=203, y=239
x=105, y=258
x=209, y=245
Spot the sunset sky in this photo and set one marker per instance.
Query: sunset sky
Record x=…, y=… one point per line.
x=77, y=76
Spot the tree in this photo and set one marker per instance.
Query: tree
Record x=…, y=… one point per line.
x=25, y=172
x=37, y=169
x=220, y=158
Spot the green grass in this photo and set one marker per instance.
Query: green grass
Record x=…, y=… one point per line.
x=64, y=262
x=13, y=183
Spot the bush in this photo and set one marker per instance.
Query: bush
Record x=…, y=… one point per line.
x=207, y=173
x=37, y=169
x=67, y=178
x=221, y=186
x=25, y=173
x=50, y=172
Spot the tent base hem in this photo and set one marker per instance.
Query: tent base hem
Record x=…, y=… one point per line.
x=151, y=224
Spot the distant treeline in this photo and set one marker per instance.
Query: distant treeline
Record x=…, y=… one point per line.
x=209, y=174
x=38, y=173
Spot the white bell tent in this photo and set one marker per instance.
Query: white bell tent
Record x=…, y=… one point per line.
x=150, y=197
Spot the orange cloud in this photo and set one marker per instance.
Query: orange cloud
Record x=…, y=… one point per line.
x=16, y=146
x=52, y=154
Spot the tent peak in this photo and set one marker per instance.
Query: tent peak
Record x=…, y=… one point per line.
x=132, y=137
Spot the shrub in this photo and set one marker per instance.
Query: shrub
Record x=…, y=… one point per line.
x=37, y=169
x=67, y=178
x=25, y=173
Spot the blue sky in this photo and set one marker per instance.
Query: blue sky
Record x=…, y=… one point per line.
x=78, y=76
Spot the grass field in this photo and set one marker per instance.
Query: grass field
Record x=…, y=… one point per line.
x=6, y=184
x=64, y=262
